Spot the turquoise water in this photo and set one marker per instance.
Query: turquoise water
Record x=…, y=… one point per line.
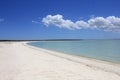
x=108, y=50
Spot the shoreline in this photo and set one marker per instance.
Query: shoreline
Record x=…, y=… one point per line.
x=93, y=58
x=77, y=59
x=20, y=61
x=78, y=56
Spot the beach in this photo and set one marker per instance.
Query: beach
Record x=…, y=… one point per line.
x=19, y=61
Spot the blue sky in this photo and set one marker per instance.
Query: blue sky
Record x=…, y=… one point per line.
x=23, y=19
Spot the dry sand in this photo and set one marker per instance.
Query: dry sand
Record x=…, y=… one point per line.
x=19, y=61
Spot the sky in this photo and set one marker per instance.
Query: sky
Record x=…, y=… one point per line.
x=59, y=19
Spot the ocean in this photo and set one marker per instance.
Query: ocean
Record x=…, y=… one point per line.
x=107, y=50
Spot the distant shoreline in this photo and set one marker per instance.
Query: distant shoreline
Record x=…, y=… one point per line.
x=55, y=40
x=42, y=40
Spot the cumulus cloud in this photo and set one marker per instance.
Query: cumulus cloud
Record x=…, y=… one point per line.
x=110, y=23
x=58, y=21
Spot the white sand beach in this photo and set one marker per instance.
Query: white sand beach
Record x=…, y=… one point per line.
x=19, y=61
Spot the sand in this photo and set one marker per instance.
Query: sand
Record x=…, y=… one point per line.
x=19, y=61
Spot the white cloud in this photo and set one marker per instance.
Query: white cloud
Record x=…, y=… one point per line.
x=58, y=21
x=1, y=20
x=110, y=23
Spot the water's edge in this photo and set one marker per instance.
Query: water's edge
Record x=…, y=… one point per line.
x=66, y=50
x=90, y=62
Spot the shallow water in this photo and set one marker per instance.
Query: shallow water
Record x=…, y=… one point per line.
x=108, y=50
